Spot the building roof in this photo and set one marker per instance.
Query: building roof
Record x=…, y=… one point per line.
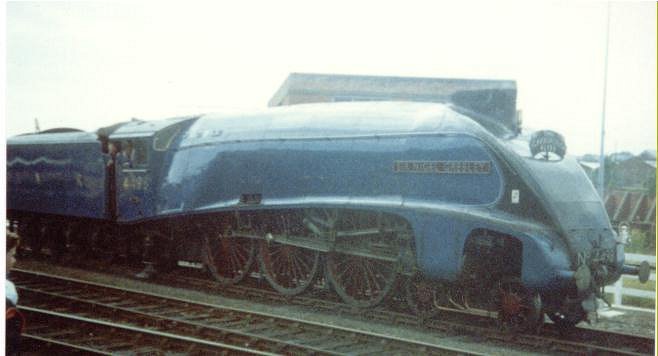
x=590, y=165
x=495, y=99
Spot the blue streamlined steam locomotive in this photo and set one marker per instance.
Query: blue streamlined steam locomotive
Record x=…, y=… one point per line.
x=456, y=208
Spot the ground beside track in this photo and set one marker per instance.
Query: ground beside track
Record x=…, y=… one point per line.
x=635, y=322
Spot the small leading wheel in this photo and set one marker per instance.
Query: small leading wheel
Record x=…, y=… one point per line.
x=31, y=232
x=361, y=281
x=289, y=269
x=228, y=257
x=421, y=296
x=519, y=309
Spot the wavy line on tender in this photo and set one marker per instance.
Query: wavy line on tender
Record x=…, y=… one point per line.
x=19, y=160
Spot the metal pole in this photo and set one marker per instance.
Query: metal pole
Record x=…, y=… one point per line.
x=605, y=90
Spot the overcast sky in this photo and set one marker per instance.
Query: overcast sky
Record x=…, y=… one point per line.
x=90, y=64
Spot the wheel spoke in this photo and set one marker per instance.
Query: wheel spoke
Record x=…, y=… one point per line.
x=283, y=270
x=299, y=267
x=422, y=297
x=361, y=281
x=365, y=279
x=302, y=262
x=229, y=256
x=372, y=274
x=297, y=271
x=239, y=253
x=235, y=263
x=348, y=269
x=284, y=266
x=519, y=308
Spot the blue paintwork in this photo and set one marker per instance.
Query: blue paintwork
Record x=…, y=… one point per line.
x=60, y=174
x=343, y=155
x=135, y=194
x=137, y=185
x=303, y=169
x=440, y=252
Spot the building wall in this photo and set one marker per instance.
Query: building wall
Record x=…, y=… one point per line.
x=631, y=173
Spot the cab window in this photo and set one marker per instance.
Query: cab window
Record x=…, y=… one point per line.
x=132, y=154
x=139, y=154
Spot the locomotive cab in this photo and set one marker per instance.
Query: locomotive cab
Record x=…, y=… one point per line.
x=135, y=164
x=128, y=169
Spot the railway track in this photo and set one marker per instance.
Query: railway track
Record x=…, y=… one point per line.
x=449, y=322
x=106, y=319
x=72, y=333
x=580, y=340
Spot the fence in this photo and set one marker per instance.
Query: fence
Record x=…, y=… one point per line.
x=618, y=290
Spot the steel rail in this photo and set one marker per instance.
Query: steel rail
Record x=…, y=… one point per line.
x=109, y=328
x=474, y=321
x=451, y=321
x=63, y=344
x=341, y=340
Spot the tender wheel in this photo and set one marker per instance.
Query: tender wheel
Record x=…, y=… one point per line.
x=76, y=246
x=31, y=232
x=518, y=308
x=133, y=251
x=54, y=241
x=102, y=243
x=421, y=296
x=228, y=257
x=45, y=240
x=361, y=281
x=69, y=252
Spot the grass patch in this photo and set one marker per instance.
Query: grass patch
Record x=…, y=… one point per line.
x=632, y=282
x=638, y=302
x=632, y=301
x=641, y=242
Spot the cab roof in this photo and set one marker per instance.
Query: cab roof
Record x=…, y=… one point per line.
x=139, y=128
x=75, y=137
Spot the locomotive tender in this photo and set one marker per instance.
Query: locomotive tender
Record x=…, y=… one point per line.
x=460, y=209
